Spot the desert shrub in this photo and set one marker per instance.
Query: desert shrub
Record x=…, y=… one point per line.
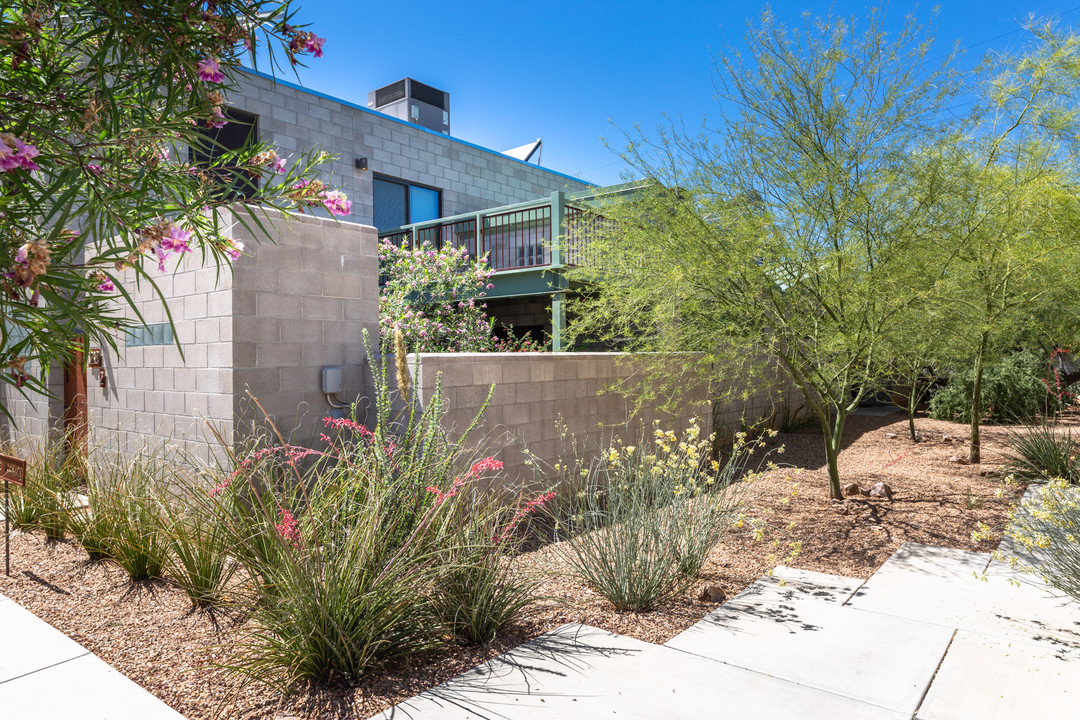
x=1047, y=526
x=1013, y=390
x=345, y=549
x=1044, y=452
x=639, y=521
x=124, y=514
x=435, y=298
x=51, y=481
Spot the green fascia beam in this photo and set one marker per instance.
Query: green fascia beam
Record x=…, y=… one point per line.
x=529, y=281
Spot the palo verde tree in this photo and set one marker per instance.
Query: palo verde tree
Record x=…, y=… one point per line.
x=778, y=234
x=99, y=103
x=1011, y=209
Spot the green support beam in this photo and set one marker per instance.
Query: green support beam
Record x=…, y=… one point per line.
x=558, y=321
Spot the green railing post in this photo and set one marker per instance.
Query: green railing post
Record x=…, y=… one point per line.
x=479, y=237
x=558, y=227
x=558, y=321
x=558, y=298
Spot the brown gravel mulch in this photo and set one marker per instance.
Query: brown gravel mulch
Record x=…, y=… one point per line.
x=149, y=633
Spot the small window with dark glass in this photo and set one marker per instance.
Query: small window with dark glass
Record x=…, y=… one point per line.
x=241, y=130
x=398, y=203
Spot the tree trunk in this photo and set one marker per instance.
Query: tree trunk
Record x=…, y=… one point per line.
x=974, y=454
x=833, y=438
x=912, y=403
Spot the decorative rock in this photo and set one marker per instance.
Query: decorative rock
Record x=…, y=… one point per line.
x=890, y=436
x=851, y=490
x=713, y=594
x=881, y=490
x=960, y=459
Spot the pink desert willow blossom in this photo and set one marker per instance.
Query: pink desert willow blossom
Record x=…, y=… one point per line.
x=314, y=45
x=234, y=249
x=15, y=154
x=209, y=70
x=177, y=240
x=336, y=202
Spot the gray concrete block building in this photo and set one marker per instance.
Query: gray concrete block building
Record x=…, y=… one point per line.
x=396, y=172
x=290, y=308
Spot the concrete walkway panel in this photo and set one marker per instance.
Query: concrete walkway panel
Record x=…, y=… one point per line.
x=578, y=672
x=819, y=586
x=29, y=644
x=991, y=678
x=81, y=689
x=949, y=587
x=874, y=658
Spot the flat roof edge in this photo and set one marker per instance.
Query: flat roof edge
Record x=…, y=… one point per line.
x=326, y=96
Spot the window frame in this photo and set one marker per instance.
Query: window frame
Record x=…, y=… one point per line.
x=407, y=185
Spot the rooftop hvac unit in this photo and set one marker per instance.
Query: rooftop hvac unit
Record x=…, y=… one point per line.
x=414, y=102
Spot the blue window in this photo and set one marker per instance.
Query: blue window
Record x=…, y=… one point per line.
x=397, y=203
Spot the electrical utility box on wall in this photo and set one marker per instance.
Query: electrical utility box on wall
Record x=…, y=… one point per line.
x=331, y=380
x=413, y=102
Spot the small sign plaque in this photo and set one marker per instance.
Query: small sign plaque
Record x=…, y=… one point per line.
x=12, y=469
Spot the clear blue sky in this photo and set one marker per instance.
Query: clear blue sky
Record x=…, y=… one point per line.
x=573, y=73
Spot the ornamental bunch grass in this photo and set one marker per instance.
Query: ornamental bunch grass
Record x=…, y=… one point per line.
x=639, y=521
x=1043, y=452
x=200, y=559
x=1047, y=527
x=345, y=551
x=332, y=600
x=51, y=482
x=123, y=517
x=477, y=592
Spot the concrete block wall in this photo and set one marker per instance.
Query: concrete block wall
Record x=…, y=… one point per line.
x=471, y=178
x=268, y=324
x=301, y=304
x=35, y=415
x=161, y=394
x=533, y=391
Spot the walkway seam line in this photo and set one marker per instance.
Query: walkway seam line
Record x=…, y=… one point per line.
x=49, y=667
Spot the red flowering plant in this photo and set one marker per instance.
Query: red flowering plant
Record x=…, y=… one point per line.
x=99, y=105
x=389, y=539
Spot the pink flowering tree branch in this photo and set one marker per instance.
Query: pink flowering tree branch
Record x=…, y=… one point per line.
x=99, y=103
x=436, y=297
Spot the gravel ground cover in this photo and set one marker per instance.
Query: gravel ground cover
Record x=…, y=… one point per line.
x=149, y=633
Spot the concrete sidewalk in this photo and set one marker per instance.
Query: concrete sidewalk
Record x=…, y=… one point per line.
x=45, y=675
x=935, y=634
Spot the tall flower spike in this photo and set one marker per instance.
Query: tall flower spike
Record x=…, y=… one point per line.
x=401, y=363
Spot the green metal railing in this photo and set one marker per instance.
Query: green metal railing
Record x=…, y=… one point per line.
x=547, y=233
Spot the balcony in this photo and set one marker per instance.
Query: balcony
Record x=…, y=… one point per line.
x=540, y=235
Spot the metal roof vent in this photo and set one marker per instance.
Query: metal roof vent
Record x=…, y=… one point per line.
x=414, y=102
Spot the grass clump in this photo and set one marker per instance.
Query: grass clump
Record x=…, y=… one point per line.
x=639, y=521
x=379, y=547
x=1043, y=453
